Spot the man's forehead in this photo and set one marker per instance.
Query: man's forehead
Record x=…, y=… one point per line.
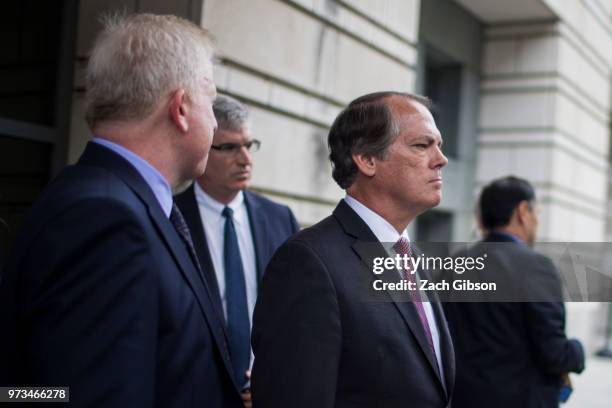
x=230, y=135
x=401, y=106
x=413, y=114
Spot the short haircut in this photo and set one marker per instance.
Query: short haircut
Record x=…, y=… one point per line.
x=230, y=113
x=499, y=198
x=366, y=126
x=139, y=59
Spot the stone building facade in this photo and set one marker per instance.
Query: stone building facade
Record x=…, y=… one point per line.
x=521, y=87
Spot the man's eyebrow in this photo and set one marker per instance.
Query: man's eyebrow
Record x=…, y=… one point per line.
x=425, y=137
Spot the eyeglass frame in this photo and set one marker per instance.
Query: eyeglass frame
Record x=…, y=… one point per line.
x=252, y=146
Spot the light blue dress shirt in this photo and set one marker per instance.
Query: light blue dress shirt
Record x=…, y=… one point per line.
x=158, y=184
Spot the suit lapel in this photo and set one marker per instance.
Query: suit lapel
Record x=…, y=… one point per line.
x=446, y=348
x=366, y=252
x=103, y=157
x=367, y=247
x=446, y=343
x=259, y=230
x=189, y=206
x=196, y=281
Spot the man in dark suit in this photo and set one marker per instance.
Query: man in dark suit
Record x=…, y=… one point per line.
x=258, y=226
x=512, y=354
x=103, y=292
x=319, y=339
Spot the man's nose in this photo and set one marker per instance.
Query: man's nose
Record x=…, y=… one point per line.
x=244, y=155
x=440, y=160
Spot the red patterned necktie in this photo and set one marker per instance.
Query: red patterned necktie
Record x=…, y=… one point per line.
x=402, y=247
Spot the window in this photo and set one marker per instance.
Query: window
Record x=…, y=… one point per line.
x=28, y=62
x=35, y=96
x=435, y=226
x=443, y=87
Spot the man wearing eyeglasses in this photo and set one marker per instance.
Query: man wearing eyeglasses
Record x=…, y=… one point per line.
x=235, y=231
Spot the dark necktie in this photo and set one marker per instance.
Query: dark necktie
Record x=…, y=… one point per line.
x=238, y=328
x=402, y=247
x=177, y=220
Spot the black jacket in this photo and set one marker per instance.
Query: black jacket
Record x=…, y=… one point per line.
x=271, y=224
x=512, y=354
x=321, y=339
x=101, y=295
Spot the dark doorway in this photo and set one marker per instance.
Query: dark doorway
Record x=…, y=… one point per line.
x=37, y=40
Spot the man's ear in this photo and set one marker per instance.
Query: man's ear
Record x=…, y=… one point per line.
x=479, y=223
x=522, y=211
x=179, y=110
x=366, y=164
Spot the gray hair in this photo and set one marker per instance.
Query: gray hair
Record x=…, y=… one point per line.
x=230, y=113
x=140, y=58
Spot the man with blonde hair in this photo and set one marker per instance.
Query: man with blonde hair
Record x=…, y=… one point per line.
x=104, y=293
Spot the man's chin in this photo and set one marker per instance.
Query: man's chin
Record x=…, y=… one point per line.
x=241, y=184
x=201, y=167
x=436, y=200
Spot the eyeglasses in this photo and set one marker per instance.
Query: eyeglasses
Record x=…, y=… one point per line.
x=233, y=148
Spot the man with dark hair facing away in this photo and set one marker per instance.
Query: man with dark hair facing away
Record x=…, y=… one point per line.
x=515, y=353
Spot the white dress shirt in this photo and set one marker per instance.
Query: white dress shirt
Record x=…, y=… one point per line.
x=213, y=223
x=385, y=232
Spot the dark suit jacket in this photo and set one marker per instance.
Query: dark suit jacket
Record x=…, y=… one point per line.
x=102, y=295
x=271, y=225
x=512, y=354
x=321, y=341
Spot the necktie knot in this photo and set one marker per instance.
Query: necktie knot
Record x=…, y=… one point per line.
x=227, y=212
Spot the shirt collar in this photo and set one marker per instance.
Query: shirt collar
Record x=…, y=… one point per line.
x=509, y=236
x=158, y=184
x=381, y=228
x=203, y=198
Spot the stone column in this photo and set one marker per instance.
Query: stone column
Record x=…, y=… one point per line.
x=545, y=117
